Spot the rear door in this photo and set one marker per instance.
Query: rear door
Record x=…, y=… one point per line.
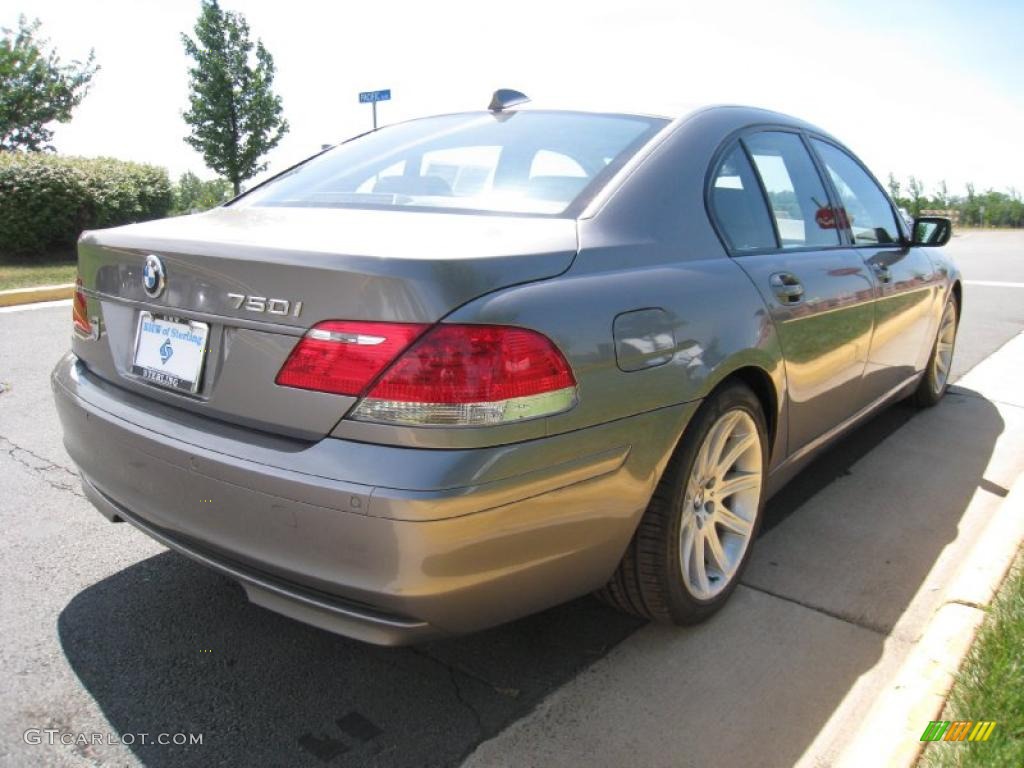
x=907, y=285
x=774, y=213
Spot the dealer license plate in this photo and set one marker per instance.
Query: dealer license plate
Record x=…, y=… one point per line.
x=170, y=352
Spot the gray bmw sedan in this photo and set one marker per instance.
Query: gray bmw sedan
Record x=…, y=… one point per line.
x=463, y=368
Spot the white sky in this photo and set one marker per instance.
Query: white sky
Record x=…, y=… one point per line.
x=935, y=90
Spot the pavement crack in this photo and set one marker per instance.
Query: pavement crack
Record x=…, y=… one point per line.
x=54, y=475
x=877, y=629
x=512, y=693
x=465, y=702
x=453, y=673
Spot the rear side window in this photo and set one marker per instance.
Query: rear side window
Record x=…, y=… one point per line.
x=796, y=194
x=738, y=205
x=870, y=216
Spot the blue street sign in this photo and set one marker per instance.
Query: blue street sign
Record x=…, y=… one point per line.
x=368, y=97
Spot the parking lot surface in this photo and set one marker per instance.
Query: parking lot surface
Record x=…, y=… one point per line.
x=108, y=633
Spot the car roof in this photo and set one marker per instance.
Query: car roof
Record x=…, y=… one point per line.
x=739, y=112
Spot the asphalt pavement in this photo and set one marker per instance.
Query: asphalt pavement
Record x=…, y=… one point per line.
x=106, y=632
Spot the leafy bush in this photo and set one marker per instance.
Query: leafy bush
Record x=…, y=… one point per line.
x=192, y=194
x=47, y=200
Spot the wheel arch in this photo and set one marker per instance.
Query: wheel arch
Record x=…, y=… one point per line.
x=762, y=385
x=766, y=381
x=762, y=370
x=634, y=585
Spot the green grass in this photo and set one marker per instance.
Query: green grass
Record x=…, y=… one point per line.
x=990, y=686
x=56, y=270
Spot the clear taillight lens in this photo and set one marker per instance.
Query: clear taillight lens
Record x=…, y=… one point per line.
x=80, y=311
x=472, y=375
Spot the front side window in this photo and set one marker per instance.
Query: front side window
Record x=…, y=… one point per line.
x=738, y=205
x=868, y=212
x=518, y=162
x=796, y=194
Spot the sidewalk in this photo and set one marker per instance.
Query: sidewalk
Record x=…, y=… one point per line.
x=829, y=619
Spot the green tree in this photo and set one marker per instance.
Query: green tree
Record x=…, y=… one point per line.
x=985, y=209
x=192, y=194
x=234, y=114
x=916, y=192
x=36, y=89
x=969, y=211
x=894, y=187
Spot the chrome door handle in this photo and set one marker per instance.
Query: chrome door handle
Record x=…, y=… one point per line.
x=786, y=287
x=882, y=272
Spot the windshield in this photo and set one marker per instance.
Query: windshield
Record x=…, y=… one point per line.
x=519, y=162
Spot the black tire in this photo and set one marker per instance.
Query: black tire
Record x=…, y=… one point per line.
x=648, y=581
x=929, y=390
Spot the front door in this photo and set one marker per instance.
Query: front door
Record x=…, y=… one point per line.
x=908, y=289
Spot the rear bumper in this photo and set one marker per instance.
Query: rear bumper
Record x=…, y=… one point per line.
x=389, y=545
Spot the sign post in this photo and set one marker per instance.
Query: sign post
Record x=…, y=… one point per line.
x=372, y=97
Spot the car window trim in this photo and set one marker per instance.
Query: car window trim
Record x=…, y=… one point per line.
x=897, y=219
x=724, y=147
x=824, y=185
x=710, y=204
x=835, y=199
x=765, y=200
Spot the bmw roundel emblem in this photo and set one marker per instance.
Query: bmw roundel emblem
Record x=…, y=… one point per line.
x=153, y=278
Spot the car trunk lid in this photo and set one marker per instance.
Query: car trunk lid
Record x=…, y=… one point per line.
x=258, y=278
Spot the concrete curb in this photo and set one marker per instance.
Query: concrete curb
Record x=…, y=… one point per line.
x=15, y=296
x=890, y=735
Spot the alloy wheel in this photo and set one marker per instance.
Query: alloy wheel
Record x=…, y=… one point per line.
x=720, y=504
x=944, y=344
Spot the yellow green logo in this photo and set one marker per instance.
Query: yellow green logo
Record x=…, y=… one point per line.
x=958, y=730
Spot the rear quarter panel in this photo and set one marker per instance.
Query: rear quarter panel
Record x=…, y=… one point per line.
x=717, y=321
x=646, y=245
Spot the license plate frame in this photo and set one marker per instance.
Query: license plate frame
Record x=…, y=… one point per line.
x=186, y=373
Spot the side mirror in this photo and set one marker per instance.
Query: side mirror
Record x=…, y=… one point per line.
x=931, y=231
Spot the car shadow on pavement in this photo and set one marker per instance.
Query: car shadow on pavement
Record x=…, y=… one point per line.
x=834, y=463
x=166, y=646
x=851, y=566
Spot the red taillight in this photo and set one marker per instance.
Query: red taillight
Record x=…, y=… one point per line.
x=472, y=375
x=80, y=311
x=456, y=375
x=475, y=364
x=344, y=357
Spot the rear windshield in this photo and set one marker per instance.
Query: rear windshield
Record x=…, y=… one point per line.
x=519, y=162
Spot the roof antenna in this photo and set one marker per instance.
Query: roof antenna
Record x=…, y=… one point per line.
x=504, y=98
